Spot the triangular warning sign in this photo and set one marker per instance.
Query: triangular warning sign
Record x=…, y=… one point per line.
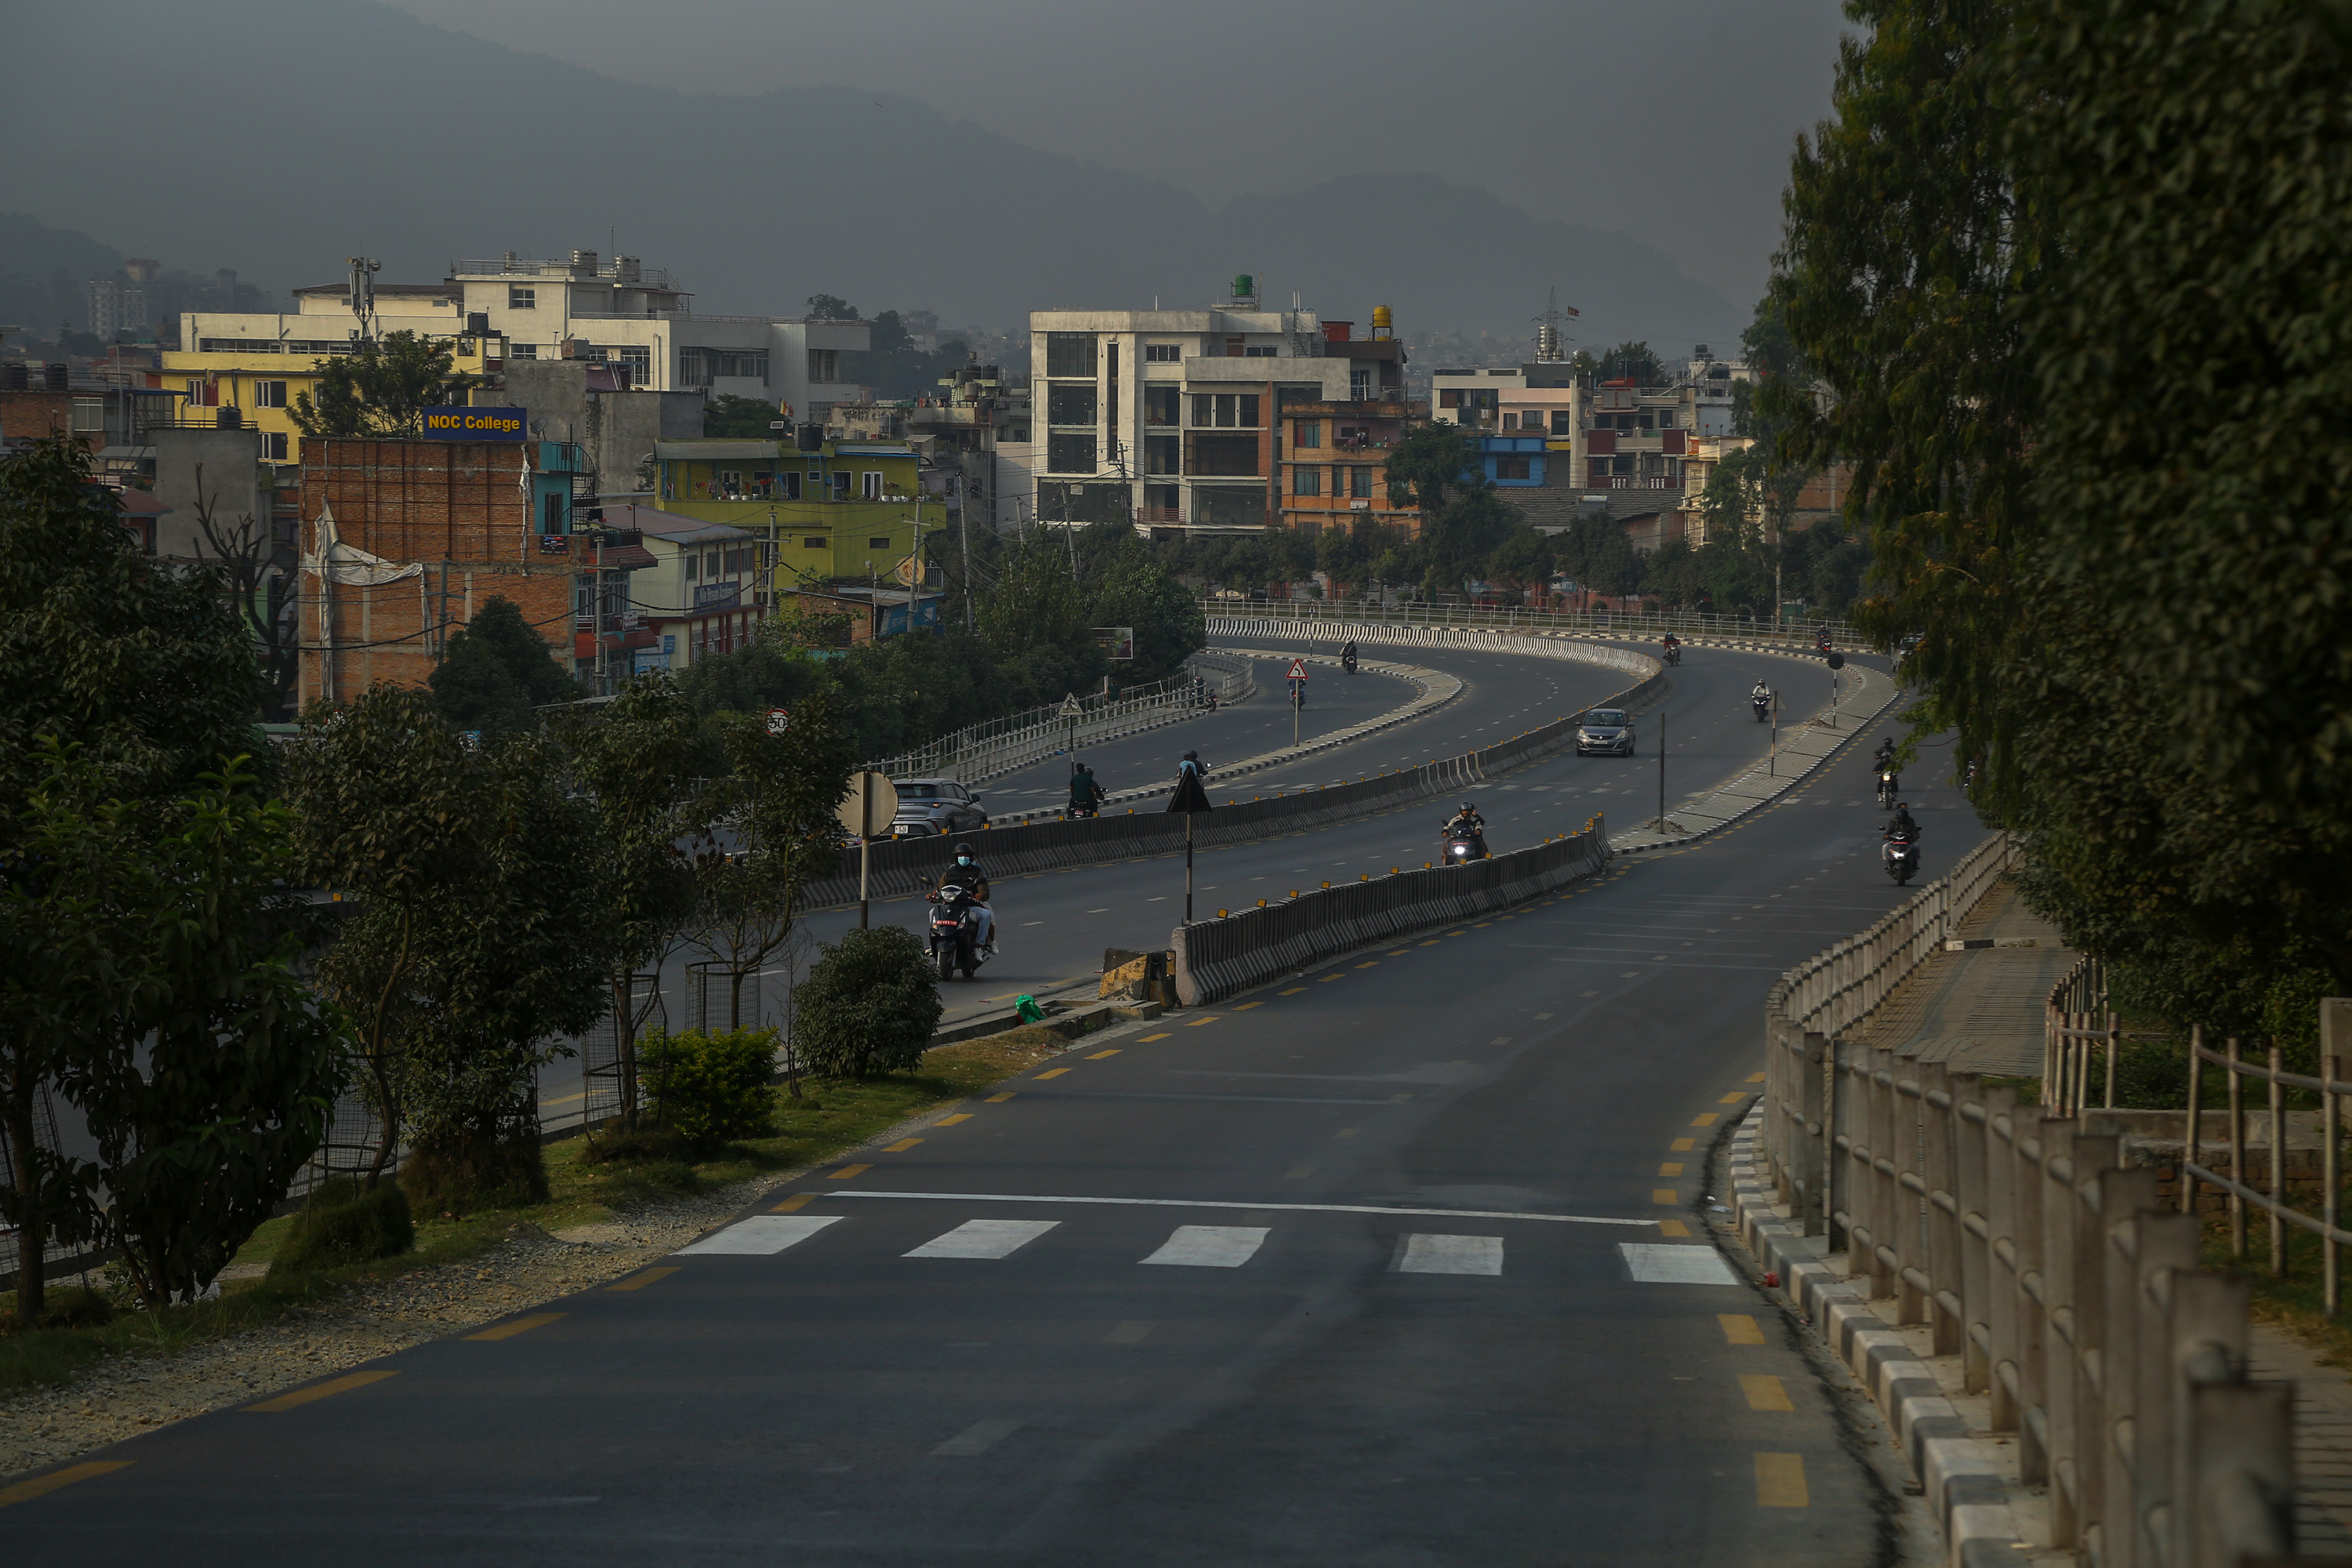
x=1297, y=669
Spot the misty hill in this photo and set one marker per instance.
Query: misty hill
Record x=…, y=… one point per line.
x=341, y=126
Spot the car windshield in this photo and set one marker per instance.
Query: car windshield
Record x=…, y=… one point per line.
x=1605, y=716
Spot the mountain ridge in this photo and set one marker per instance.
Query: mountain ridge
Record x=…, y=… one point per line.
x=377, y=131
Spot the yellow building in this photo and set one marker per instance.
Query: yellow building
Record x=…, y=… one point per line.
x=262, y=385
x=849, y=512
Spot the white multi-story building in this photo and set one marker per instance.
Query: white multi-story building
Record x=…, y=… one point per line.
x=1173, y=418
x=616, y=312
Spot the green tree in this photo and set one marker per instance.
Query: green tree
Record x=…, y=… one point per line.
x=1630, y=360
x=495, y=671
x=220, y=1078
x=1523, y=560
x=514, y=957
x=869, y=1004
x=381, y=387
x=775, y=804
x=830, y=308
x=729, y=417
x=1428, y=465
x=1169, y=626
x=639, y=759
x=386, y=815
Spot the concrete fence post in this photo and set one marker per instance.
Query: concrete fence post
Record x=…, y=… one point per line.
x=1941, y=1115
x=1972, y=1186
x=2206, y=1348
x=1818, y=1077
x=2026, y=1127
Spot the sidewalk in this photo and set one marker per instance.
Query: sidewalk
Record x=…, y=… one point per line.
x=1978, y=1010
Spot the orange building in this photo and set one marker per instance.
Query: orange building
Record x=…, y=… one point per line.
x=1334, y=464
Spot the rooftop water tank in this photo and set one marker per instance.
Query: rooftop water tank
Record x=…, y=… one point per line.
x=1244, y=286
x=1382, y=321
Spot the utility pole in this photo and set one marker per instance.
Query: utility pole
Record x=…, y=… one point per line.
x=1662, y=770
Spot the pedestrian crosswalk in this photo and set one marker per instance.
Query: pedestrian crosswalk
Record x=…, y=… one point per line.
x=1188, y=1245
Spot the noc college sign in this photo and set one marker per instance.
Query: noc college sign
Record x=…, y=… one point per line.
x=447, y=423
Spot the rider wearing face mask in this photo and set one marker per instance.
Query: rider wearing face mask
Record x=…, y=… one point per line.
x=966, y=874
x=1467, y=821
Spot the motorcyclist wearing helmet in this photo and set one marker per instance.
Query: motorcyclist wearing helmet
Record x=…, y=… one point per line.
x=1904, y=821
x=1762, y=693
x=1194, y=764
x=1086, y=794
x=966, y=874
x=1348, y=655
x=1467, y=823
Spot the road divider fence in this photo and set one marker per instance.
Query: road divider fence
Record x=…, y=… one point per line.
x=1222, y=957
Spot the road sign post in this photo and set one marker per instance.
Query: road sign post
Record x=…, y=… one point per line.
x=1297, y=679
x=1072, y=710
x=867, y=810
x=778, y=721
x=1191, y=799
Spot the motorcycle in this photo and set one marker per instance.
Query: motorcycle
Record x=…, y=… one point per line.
x=1078, y=810
x=955, y=933
x=1348, y=662
x=1889, y=785
x=1673, y=653
x=1203, y=698
x=1763, y=706
x=1902, y=857
x=1464, y=845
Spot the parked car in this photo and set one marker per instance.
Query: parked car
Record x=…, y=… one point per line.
x=933, y=806
x=1605, y=732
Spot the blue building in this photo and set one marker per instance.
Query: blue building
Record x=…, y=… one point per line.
x=1513, y=462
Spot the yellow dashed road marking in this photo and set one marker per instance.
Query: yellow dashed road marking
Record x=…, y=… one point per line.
x=1148, y=1039
x=1705, y=1121
x=847, y=1172
x=1682, y=1145
x=901, y=1146
x=1739, y=1328
x=952, y=1121
x=344, y=1384
x=1100, y=1055
x=794, y=1203
x=1764, y=1392
x=654, y=1276
x=519, y=1326
x=1672, y=1228
x=1731, y=1098
x=1661, y=1195
x=1000, y=1099
x=1051, y=1072
x=1671, y=1168
x=24, y=1491
x=1780, y=1481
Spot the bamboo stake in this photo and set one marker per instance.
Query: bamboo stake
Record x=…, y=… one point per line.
x=2194, y=1133
x=2278, y=1168
x=2237, y=1154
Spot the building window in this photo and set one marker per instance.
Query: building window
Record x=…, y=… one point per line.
x=811, y=541
x=88, y=414
x=1070, y=405
x=881, y=544
x=1510, y=421
x=550, y=514
x=699, y=367
x=1070, y=453
x=841, y=485
x=1070, y=353
x=824, y=364
x=1163, y=454
x=1310, y=435
x=273, y=446
x=1563, y=422
x=1306, y=480
x=1224, y=456
x=693, y=565
x=1359, y=483
x=788, y=485
x=1162, y=405
x=522, y=299
x=639, y=362
x=1360, y=382
x=1265, y=351
x=1224, y=410
x=730, y=482
x=871, y=484
x=1163, y=353
x=1665, y=418
x=1510, y=468
x=522, y=351
x=1449, y=397
x=269, y=394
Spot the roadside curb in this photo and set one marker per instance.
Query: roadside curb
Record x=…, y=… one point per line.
x=1966, y=1486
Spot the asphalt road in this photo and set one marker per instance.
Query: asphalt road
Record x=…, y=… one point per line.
x=1402, y=1262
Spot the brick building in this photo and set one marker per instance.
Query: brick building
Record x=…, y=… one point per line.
x=405, y=540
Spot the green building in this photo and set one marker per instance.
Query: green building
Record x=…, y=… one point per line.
x=849, y=512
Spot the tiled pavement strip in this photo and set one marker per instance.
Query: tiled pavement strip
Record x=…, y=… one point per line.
x=1982, y=1012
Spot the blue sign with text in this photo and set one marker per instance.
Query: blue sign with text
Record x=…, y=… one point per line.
x=447, y=423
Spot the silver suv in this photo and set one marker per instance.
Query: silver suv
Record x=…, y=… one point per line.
x=935, y=807
x=1605, y=732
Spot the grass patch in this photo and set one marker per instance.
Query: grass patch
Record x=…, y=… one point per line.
x=2294, y=1303
x=831, y=1116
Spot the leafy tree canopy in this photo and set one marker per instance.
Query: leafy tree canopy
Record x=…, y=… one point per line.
x=383, y=387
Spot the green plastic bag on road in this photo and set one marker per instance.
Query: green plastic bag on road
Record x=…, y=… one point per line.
x=1026, y=1006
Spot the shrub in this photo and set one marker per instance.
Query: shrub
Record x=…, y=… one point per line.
x=711, y=1089
x=869, y=1004
x=345, y=1223
x=468, y=1170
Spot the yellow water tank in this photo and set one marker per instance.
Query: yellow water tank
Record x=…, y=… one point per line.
x=1383, y=321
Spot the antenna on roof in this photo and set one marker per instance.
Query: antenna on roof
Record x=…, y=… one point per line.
x=1552, y=337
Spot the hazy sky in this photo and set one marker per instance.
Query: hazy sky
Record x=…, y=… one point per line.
x=1673, y=123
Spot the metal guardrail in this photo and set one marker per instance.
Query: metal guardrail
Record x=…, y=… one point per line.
x=999, y=746
x=1685, y=624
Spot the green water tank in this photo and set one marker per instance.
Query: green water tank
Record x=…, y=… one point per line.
x=1244, y=286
